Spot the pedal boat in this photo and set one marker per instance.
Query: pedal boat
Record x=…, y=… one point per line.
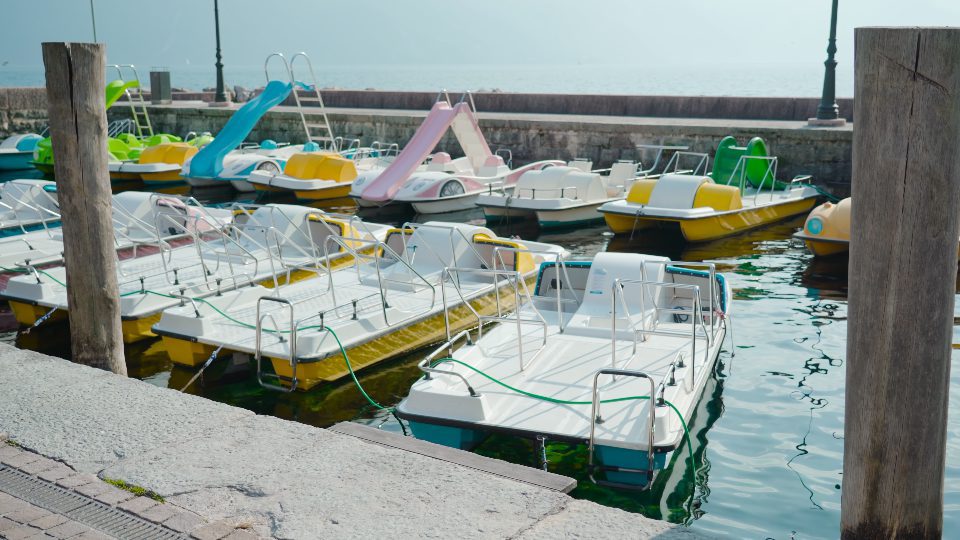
x=623, y=336
x=741, y=193
x=269, y=244
x=827, y=229
x=317, y=176
x=558, y=197
x=136, y=225
x=16, y=151
x=390, y=303
x=28, y=205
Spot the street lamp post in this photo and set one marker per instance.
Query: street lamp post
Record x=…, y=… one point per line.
x=221, y=96
x=828, y=114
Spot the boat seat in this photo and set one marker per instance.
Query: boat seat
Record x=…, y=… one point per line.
x=439, y=162
x=592, y=318
x=322, y=228
x=622, y=171
x=491, y=166
x=581, y=164
x=676, y=191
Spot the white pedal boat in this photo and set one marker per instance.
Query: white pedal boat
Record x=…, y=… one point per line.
x=391, y=303
x=137, y=220
x=624, y=325
x=273, y=244
x=436, y=183
x=28, y=205
x=560, y=197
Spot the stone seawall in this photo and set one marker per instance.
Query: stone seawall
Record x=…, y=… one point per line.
x=823, y=153
x=22, y=110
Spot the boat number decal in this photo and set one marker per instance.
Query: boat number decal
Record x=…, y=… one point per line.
x=598, y=281
x=815, y=226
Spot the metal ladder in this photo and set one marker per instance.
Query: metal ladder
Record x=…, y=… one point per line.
x=138, y=106
x=316, y=124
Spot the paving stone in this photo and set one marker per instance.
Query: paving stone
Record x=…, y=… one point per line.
x=241, y=534
x=38, y=465
x=56, y=473
x=184, y=521
x=94, y=488
x=49, y=522
x=7, y=524
x=92, y=535
x=137, y=504
x=21, y=533
x=158, y=514
x=27, y=514
x=77, y=480
x=213, y=531
x=20, y=459
x=68, y=530
x=8, y=450
x=12, y=505
x=114, y=495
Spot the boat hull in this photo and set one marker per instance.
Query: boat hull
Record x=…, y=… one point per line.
x=18, y=161
x=569, y=217
x=713, y=227
x=440, y=206
x=333, y=192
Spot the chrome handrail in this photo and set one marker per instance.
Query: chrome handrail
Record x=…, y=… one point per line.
x=595, y=419
x=258, y=352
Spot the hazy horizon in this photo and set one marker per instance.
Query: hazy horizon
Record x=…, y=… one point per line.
x=677, y=43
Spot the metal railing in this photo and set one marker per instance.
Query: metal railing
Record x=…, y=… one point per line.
x=595, y=419
x=701, y=163
x=562, y=191
x=31, y=205
x=770, y=173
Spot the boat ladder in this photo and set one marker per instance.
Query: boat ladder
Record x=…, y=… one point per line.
x=316, y=123
x=596, y=418
x=138, y=106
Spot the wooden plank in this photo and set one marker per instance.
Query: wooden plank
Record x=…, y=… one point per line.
x=78, y=129
x=519, y=473
x=904, y=227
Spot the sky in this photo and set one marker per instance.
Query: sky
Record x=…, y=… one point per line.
x=640, y=34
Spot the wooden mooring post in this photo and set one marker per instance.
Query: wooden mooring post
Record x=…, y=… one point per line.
x=78, y=128
x=903, y=267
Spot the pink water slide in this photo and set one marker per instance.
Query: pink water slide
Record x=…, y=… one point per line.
x=441, y=117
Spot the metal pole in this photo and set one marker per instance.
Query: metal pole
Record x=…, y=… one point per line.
x=93, y=19
x=221, y=96
x=828, y=109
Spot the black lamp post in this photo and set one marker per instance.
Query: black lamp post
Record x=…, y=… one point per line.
x=221, y=96
x=828, y=109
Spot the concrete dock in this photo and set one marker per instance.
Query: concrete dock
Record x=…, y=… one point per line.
x=272, y=478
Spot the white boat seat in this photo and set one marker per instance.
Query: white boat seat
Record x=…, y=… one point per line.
x=491, y=167
x=622, y=171
x=676, y=191
x=439, y=162
x=595, y=310
x=581, y=164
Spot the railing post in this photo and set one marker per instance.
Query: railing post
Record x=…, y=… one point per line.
x=903, y=267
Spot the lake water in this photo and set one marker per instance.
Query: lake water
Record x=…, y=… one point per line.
x=789, y=80
x=768, y=435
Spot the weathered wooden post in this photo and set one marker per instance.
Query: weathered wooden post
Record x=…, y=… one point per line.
x=903, y=265
x=78, y=129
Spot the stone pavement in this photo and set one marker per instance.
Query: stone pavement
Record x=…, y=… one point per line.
x=279, y=478
x=20, y=519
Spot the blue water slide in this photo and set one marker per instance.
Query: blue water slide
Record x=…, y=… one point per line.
x=208, y=163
